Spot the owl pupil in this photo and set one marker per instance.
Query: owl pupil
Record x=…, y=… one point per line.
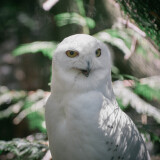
x=71, y=52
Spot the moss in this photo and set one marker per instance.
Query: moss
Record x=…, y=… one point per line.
x=146, y=15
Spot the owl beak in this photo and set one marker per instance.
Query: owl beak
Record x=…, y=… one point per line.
x=87, y=70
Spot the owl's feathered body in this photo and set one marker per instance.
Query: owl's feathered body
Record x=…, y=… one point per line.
x=83, y=119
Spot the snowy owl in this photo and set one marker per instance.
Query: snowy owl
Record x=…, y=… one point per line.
x=83, y=119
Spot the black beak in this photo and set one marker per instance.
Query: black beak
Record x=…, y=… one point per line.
x=87, y=71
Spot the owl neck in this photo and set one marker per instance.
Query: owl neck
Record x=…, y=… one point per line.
x=60, y=87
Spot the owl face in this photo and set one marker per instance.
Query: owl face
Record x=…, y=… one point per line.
x=82, y=62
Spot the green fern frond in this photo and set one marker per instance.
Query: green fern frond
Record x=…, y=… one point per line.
x=74, y=18
x=147, y=92
x=47, y=48
x=24, y=149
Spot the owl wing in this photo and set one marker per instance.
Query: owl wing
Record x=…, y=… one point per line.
x=121, y=134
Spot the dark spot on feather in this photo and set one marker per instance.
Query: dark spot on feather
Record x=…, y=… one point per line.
x=110, y=126
x=112, y=158
x=115, y=150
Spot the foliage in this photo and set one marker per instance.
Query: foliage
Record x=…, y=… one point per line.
x=80, y=18
x=36, y=121
x=13, y=98
x=146, y=15
x=23, y=149
x=127, y=97
x=22, y=104
x=71, y=18
x=123, y=39
x=47, y=48
x=33, y=111
x=147, y=92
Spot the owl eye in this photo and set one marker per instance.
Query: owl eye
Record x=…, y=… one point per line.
x=72, y=54
x=98, y=52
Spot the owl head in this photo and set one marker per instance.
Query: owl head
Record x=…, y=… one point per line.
x=80, y=63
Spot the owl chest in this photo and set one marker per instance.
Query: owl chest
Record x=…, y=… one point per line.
x=77, y=129
x=79, y=113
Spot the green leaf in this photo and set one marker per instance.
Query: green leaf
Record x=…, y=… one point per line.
x=126, y=76
x=147, y=92
x=74, y=18
x=90, y=22
x=47, y=48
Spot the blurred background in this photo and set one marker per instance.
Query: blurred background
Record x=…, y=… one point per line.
x=29, y=33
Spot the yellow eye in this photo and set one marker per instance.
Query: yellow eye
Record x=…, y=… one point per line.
x=72, y=54
x=98, y=52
